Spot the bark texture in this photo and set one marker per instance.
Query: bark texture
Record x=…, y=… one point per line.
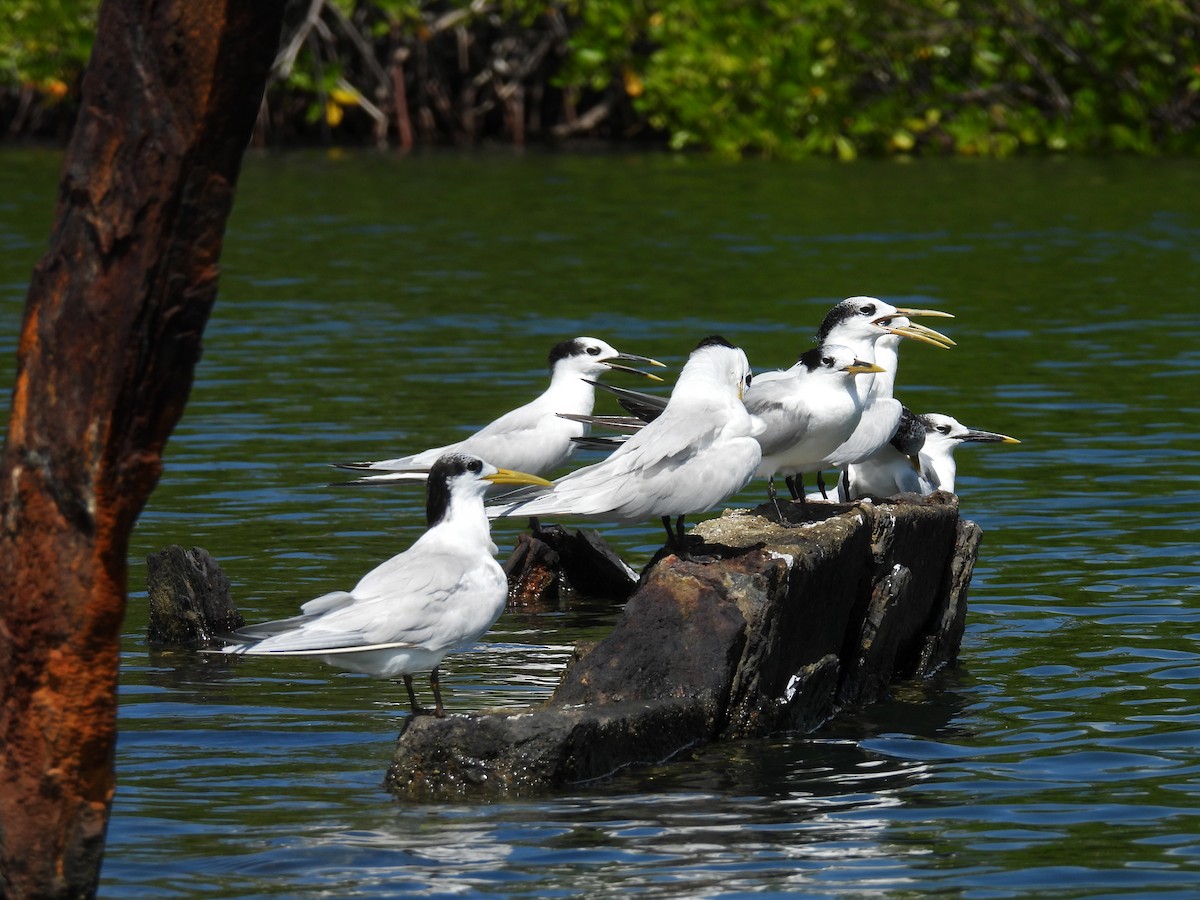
x=110, y=338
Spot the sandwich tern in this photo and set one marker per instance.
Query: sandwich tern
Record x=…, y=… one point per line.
x=442, y=593
x=531, y=438
x=944, y=435
x=807, y=412
x=872, y=330
x=699, y=450
x=919, y=458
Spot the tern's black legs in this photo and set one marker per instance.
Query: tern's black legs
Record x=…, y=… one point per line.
x=775, y=498
x=436, y=684
x=677, y=541
x=417, y=708
x=675, y=538
x=795, y=484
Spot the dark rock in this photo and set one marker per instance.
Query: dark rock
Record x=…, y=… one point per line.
x=495, y=754
x=912, y=554
x=945, y=630
x=787, y=624
x=189, y=599
x=593, y=568
x=676, y=638
x=544, y=567
x=797, y=591
x=533, y=574
x=791, y=622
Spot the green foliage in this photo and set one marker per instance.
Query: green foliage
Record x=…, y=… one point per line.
x=45, y=43
x=839, y=77
x=787, y=78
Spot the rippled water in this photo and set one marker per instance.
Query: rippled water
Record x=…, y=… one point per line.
x=371, y=305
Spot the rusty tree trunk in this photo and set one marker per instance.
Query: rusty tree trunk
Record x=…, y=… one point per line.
x=110, y=339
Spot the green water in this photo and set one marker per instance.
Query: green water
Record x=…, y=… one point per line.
x=372, y=305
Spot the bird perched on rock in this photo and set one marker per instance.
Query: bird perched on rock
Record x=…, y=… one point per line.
x=919, y=458
x=874, y=329
x=531, y=438
x=944, y=435
x=807, y=412
x=442, y=593
x=895, y=468
x=700, y=450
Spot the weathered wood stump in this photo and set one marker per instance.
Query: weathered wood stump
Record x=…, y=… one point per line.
x=189, y=599
x=543, y=567
x=788, y=624
x=770, y=627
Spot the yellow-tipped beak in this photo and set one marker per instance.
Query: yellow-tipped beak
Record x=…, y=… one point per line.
x=935, y=313
x=863, y=368
x=508, y=476
x=644, y=360
x=633, y=371
x=919, y=333
x=989, y=437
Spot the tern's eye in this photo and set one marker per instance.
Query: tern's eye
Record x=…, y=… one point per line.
x=593, y=350
x=827, y=361
x=475, y=466
x=749, y=378
x=943, y=429
x=868, y=310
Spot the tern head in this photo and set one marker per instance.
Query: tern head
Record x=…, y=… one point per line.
x=590, y=357
x=946, y=430
x=831, y=359
x=458, y=476
x=715, y=364
x=860, y=319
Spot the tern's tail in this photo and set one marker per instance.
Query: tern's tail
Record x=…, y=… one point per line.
x=413, y=477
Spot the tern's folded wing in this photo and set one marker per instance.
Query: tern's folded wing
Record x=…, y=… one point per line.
x=420, y=598
x=875, y=429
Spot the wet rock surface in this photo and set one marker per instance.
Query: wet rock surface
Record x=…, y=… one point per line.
x=784, y=626
x=189, y=599
x=555, y=561
x=769, y=627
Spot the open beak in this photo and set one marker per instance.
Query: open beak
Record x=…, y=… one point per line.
x=508, y=476
x=913, y=330
x=928, y=313
x=988, y=437
x=644, y=360
x=926, y=335
x=858, y=367
x=916, y=332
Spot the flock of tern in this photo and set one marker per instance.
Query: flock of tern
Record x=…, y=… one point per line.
x=670, y=457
